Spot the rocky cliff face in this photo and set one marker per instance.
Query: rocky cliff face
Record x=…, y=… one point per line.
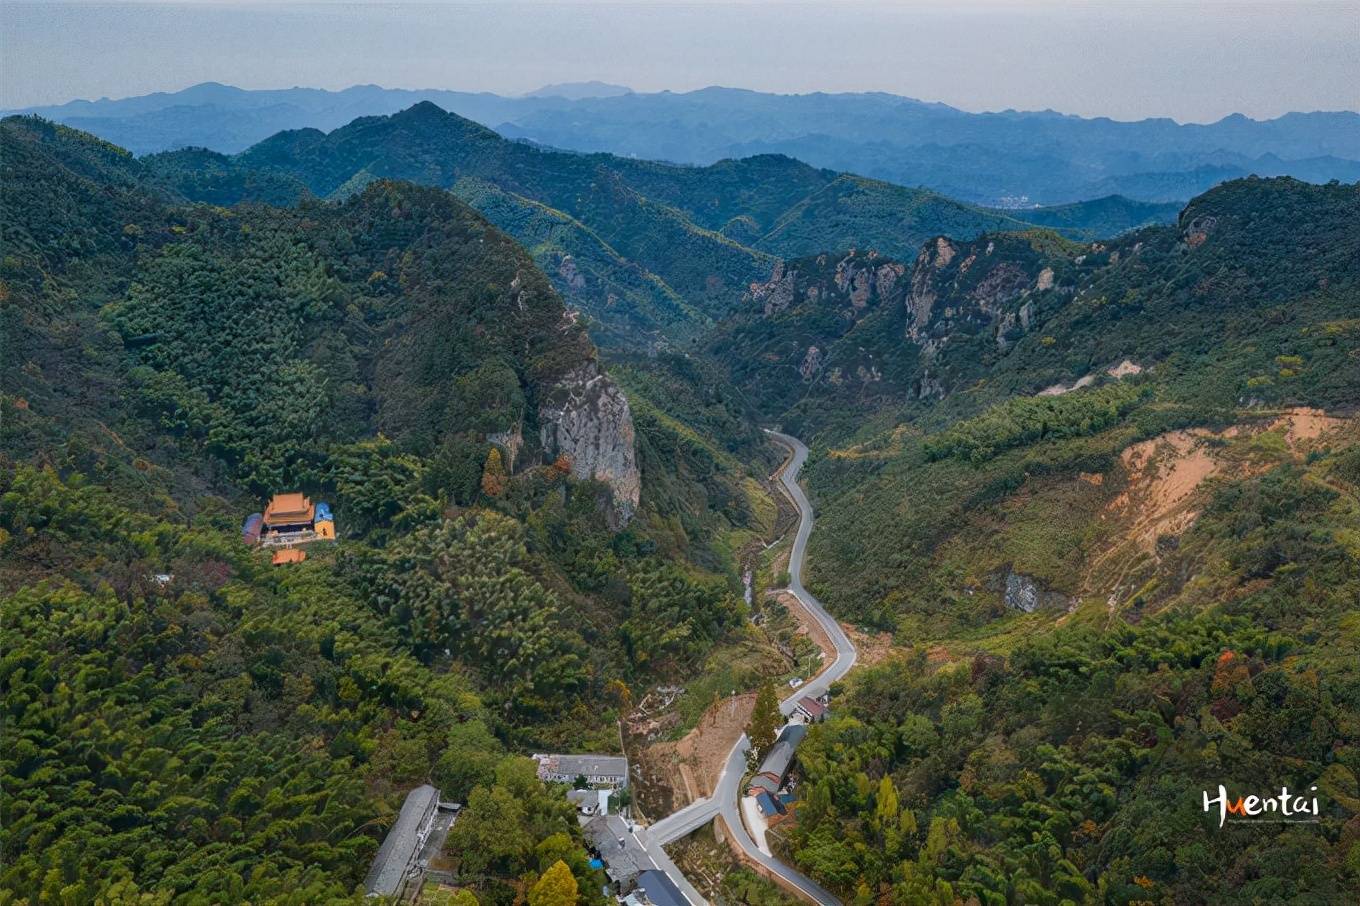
x=849, y=284
x=970, y=300
x=586, y=419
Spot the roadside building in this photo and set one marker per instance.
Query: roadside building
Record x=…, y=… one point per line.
x=769, y=805
x=774, y=767
x=810, y=709
x=395, y=867
x=600, y=770
x=590, y=802
x=623, y=855
x=657, y=889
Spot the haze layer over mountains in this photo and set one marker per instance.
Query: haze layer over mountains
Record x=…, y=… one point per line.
x=1005, y=159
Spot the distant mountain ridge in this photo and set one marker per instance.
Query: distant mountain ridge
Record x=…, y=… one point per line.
x=985, y=158
x=575, y=91
x=645, y=249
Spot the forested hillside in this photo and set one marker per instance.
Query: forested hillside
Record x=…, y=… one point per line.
x=650, y=252
x=1116, y=541
x=1018, y=344
x=521, y=538
x=1101, y=494
x=1252, y=270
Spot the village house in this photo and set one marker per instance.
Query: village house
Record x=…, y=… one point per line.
x=774, y=767
x=810, y=710
x=598, y=770
x=655, y=888
x=623, y=855
x=590, y=802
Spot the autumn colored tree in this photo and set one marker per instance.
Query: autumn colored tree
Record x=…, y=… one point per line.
x=557, y=887
x=618, y=692
x=494, y=477
x=886, y=806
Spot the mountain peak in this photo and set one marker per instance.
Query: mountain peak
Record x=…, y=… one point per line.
x=577, y=91
x=424, y=108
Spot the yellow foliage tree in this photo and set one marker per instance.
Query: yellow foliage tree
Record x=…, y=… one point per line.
x=557, y=887
x=494, y=478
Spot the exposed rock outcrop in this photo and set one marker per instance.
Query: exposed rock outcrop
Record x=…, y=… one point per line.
x=857, y=282
x=812, y=363
x=993, y=289
x=586, y=419
x=776, y=294
x=1023, y=593
x=570, y=273
x=934, y=256
x=1198, y=230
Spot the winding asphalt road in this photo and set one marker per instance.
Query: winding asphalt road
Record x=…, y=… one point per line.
x=726, y=798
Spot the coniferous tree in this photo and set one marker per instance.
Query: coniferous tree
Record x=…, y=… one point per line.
x=765, y=720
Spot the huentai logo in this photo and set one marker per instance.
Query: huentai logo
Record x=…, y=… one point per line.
x=1286, y=807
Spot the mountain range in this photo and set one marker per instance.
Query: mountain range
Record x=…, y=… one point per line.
x=1087, y=479
x=1009, y=158
x=648, y=251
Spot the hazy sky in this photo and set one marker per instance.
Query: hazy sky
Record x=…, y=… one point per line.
x=1190, y=61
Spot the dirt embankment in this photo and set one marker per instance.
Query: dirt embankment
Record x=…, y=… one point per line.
x=675, y=773
x=807, y=626
x=1160, y=484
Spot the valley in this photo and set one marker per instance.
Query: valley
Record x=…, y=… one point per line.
x=1086, y=483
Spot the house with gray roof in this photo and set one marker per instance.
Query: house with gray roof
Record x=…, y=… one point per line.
x=601, y=770
x=623, y=854
x=774, y=767
x=657, y=889
x=394, y=866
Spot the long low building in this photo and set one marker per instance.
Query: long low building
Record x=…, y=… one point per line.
x=610, y=770
x=393, y=865
x=655, y=888
x=774, y=767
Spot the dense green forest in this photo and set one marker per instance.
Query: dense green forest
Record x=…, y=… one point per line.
x=1101, y=494
x=188, y=724
x=1066, y=764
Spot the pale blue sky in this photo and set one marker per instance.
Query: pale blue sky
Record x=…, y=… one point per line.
x=1190, y=61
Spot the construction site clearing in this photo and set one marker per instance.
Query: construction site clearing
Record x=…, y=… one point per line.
x=289, y=520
